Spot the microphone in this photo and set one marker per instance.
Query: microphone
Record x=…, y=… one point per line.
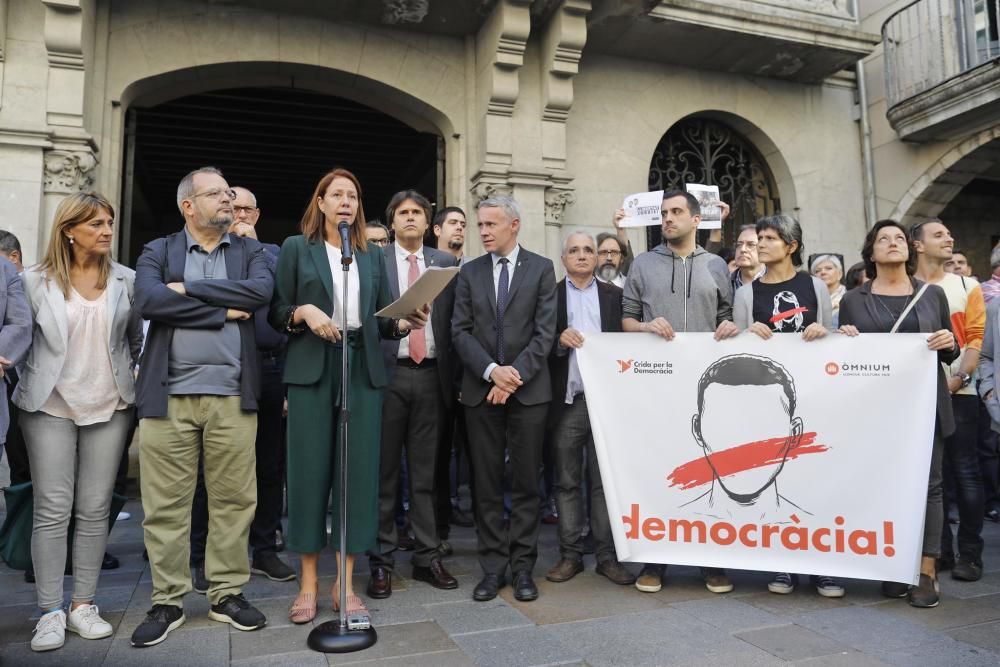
x=346, y=256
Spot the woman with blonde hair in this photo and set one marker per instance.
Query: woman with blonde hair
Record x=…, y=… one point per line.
x=307, y=305
x=75, y=397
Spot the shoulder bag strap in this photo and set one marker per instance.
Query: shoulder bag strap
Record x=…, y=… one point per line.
x=906, y=311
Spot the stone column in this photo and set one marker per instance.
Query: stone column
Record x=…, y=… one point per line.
x=68, y=169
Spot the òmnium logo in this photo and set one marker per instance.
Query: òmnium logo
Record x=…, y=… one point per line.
x=645, y=367
x=858, y=369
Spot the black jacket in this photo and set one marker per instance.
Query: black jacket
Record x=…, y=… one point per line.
x=858, y=307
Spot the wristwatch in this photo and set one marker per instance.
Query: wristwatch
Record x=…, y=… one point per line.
x=964, y=377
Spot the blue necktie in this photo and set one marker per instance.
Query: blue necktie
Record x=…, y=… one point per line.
x=501, y=307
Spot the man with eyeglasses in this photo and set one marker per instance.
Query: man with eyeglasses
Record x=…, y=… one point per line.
x=377, y=233
x=614, y=253
x=270, y=441
x=748, y=267
x=584, y=305
x=197, y=397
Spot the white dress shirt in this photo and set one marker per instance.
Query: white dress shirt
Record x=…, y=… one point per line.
x=403, y=274
x=353, y=290
x=511, y=264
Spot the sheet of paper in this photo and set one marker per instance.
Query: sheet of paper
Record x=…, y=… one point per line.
x=430, y=283
x=708, y=197
x=642, y=209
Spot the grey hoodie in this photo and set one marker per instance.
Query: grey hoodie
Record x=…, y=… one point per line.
x=692, y=293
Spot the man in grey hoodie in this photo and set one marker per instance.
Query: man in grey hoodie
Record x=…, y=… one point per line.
x=678, y=286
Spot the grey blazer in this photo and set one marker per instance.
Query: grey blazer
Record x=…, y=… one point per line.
x=15, y=333
x=51, y=336
x=989, y=363
x=743, y=305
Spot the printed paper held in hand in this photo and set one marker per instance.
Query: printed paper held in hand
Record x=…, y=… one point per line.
x=430, y=283
x=708, y=197
x=642, y=209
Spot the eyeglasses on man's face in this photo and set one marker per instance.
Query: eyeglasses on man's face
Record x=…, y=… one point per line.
x=216, y=194
x=609, y=253
x=244, y=209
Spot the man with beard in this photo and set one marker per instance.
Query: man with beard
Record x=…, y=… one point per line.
x=614, y=253
x=197, y=396
x=449, y=228
x=678, y=286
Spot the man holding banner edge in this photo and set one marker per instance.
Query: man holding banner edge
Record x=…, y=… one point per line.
x=656, y=300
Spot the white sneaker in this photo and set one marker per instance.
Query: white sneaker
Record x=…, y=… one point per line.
x=124, y=516
x=86, y=621
x=50, y=633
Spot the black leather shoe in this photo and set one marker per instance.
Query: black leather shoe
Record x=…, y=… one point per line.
x=435, y=575
x=524, y=587
x=380, y=584
x=488, y=587
x=109, y=562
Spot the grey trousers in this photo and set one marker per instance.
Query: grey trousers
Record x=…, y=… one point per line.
x=573, y=436
x=73, y=469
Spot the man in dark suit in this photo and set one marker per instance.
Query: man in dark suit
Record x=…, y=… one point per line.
x=503, y=329
x=420, y=386
x=585, y=304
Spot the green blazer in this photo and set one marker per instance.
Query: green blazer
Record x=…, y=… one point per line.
x=304, y=277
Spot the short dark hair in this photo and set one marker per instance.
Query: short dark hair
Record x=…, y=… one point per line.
x=916, y=230
x=788, y=229
x=440, y=216
x=604, y=236
x=868, y=249
x=400, y=197
x=854, y=275
x=378, y=223
x=9, y=243
x=694, y=208
x=747, y=369
x=959, y=251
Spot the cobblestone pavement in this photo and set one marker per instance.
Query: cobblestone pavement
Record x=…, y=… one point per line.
x=586, y=621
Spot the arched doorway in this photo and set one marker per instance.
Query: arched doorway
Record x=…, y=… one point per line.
x=705, y=150
x=275, y=141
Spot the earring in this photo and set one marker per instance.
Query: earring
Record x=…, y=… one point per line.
x=71, y=240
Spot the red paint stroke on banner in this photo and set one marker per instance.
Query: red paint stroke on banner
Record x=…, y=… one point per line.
x=789, y=313
x=740, y=458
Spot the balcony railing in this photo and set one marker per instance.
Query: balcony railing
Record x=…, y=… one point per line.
x=928, y=42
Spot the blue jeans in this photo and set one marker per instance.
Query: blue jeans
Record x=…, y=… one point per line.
x=964, y=480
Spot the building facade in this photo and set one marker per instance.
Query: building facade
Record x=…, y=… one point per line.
x=570, y=105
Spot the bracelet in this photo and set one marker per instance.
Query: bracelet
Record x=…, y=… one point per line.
x=290, y=326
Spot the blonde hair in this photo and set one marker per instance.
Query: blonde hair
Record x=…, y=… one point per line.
x=75, y=209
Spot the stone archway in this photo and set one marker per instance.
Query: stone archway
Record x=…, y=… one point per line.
x=719, y=148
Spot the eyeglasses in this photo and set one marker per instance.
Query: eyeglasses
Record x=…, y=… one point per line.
x=243, y=209
x=609, y=253
x=382, y=242
x=216, y=194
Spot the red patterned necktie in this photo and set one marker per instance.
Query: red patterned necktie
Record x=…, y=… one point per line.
x=418, y=343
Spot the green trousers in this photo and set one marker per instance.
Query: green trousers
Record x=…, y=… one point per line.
x=168, y=460
x=313, y=464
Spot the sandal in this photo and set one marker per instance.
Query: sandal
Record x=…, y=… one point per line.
x=303, y=610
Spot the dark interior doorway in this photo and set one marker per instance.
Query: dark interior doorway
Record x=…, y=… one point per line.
x=277, y=142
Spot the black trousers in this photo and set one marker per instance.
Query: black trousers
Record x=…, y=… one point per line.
x=518, y=430
x=412, y=413
x=453, y=448
x=989, y=458
x=17, y=452
x=963, y=480
x=270, y=449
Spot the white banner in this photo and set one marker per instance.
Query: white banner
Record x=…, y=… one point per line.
x=777, y=455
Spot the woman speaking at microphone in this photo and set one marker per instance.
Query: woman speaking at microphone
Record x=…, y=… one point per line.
x=308, y=306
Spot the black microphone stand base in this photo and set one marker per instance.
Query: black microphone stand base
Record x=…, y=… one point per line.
x=331, y=637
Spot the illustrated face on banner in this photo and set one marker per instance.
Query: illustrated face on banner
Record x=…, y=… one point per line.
x=746, y=454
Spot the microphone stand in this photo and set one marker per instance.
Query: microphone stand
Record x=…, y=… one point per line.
x=344, y=635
